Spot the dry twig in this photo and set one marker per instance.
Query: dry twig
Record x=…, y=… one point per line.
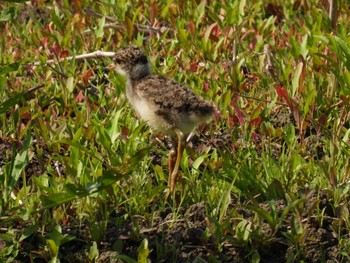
x=93, y=55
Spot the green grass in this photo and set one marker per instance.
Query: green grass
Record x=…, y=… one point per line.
x=71, y=159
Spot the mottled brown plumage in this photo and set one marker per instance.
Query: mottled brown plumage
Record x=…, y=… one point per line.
x=166, y=105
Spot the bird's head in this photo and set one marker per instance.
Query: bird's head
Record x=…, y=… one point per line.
x=131, y=62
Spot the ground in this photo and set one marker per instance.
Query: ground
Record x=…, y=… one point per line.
x=185, y=239
x=188, y=236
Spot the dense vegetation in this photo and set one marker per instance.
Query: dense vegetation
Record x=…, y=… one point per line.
x=83, y=180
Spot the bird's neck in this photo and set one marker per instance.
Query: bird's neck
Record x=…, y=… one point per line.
x=139, y=72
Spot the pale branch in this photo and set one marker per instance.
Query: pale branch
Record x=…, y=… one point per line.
x=94, y=55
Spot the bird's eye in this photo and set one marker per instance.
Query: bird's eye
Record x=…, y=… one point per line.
x=141, y=59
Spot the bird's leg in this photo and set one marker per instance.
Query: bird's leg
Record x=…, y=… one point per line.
x=181, y=141
x=171, y=161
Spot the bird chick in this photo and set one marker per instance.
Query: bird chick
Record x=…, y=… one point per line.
x=164, y=104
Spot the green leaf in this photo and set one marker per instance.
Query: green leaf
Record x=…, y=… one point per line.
x=303, y=47
x=242, y=6
x=341, y=49
x=55, y=18
x=73, y=191
x=225, y=201
x=294, y=204
x=256, y=257
x=27, y=142
x=296, y=78
x=297, y=226
x=346, y=88
x=70, y=84
x=137, y=157
x=199, y=161
x=199, y=12
x=102, y=135
x=310, y=96
x=56, y=199
x=8, y=14
x=11, y=173
x=113, y=130
x=9, y=68
x=20, y=162
x=100, y=30
x=93, y=253
x=108, y=178
x=11, y=102
x=125, y=258
x=343, y=45
x=207, y=33
x=28, y=231
x=6, y=237
x=265, y=215
x=322, y=37
x=54, y=240
x=243, y=230
x=289, y=135
x=143, y=252
x=76, y=144
x=2, y=83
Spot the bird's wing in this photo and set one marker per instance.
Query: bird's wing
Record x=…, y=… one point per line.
x=169, y=95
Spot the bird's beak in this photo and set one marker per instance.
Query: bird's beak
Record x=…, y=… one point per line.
x=109, y=68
